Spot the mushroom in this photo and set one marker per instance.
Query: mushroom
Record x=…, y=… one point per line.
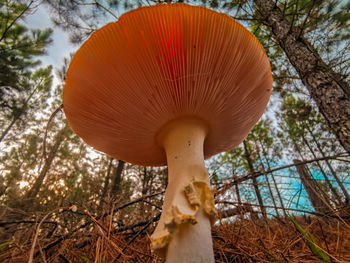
x=170, y=84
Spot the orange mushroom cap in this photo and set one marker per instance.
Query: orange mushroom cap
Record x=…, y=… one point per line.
x=160, y=63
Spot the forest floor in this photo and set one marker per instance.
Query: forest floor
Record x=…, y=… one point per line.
x=308, y=239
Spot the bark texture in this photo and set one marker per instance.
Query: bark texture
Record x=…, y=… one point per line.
x=330, y=92
x=255, y=182
x=336, y=195
x=340, y=183
x=106, y=183
x=320, y=203
x=117, y=178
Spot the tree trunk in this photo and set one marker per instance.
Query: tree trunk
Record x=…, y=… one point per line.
x=234, y=176
x=320, y=205
x=326, y=87
x=239, y=200
x=268, y=185
x=106, y=183
x=277, y=190
x=145, y=181
x=34, y=190
x=273, y=179
x=296, y=147
x=8, y=128
x=339, y=201
x=117, y=178
x=340, y=183
x=255, y=182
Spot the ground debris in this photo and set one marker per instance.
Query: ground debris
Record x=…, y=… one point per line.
x=240, y=240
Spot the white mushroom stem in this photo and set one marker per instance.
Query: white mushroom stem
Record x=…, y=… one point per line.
x=184, y=230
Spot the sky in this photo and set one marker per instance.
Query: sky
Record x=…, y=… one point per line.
x=60, y=48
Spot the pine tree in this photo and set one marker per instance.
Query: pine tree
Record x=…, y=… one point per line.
x=26, y=102
x=301, y=123
x=268, y=151
x=329, y=89
x=22, y=87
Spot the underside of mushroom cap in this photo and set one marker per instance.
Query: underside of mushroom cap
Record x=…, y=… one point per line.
x=160, y=63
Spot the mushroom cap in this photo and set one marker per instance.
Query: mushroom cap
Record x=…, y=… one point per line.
x=160, y=63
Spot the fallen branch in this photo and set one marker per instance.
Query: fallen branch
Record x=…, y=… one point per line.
x=68, y=235
x=47, y=128
x=289, y=209
x=124, y=228
x=156, y=218
x=257, y=174
x=138, y=200
x=3, y=223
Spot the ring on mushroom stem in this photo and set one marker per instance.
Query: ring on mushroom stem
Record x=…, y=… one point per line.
x=170, y=84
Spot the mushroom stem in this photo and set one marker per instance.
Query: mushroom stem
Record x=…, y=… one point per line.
x=184, y=231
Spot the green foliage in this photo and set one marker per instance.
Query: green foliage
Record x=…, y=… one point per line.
x=86, y=259
x=23, y=86
x=299, y=119
x=78, y=174
x=21, y=105
x=6, y=243
x=260, y=141
x=19, y=47
x=312, y=242
x=214, y=178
